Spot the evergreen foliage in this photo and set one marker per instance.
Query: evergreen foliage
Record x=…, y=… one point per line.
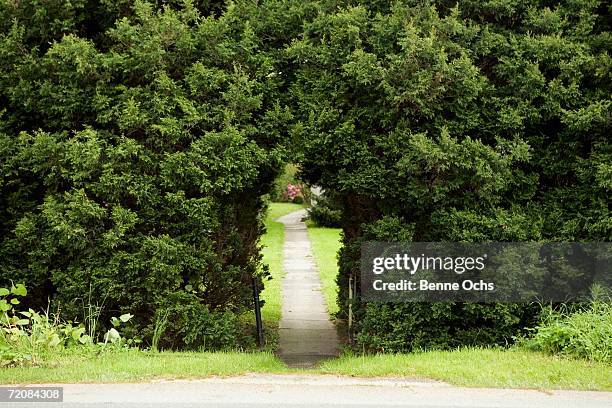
x=456, y=121
x=137, y=139
x=135, y=146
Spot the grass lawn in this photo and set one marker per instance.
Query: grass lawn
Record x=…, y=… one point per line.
x=276, y=210
x=134, y=365
x=272, y=252
x=467, y=367
x=325, y=245
x=471, y=367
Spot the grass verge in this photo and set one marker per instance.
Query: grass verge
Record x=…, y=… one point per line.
x=325, y=245
x=472, y=367
x=466, y=367
x=134, y=365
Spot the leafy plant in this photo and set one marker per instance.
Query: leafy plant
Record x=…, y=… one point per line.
x=29, y=337
x=326, y=211
x=294, y=193
x=26, y=336
x=583, y=333
x=112, y=335
x=287, y=186
x=91, y=313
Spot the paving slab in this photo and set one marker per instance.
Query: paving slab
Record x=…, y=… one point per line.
x=307, y=335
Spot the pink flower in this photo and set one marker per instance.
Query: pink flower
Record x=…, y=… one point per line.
x=292, y=191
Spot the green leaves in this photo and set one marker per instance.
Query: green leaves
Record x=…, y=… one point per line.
x=112, y=336
x=438, y=122
x=118, y=321
x=7, y=302
x=126, y=317
x=136, y=143
x=16, y=290
x=4, y=306
x=19, y=290
x=135, y=149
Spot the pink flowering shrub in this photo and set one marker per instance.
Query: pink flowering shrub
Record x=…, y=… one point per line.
x=294, y=192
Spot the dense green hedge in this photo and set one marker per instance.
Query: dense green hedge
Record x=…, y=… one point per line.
x=136, y=142
x=456, y=121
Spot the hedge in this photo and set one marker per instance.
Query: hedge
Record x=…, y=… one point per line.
x=456, y=121
x=137, y=140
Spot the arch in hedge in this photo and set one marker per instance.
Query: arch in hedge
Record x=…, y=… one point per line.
x=137, y=141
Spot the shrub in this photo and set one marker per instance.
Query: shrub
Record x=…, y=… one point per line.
x=325, y=211
x=444, y=325
x=134, y=155
x=444, y=121
x=287, y=187
x=192, y=325
x=279, y=188
x=584, y=333
x=294, y=193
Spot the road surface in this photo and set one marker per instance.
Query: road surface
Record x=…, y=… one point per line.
x=258, y=390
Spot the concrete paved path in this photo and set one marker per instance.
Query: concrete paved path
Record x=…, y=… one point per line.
x=311, y=391
x=306, y=333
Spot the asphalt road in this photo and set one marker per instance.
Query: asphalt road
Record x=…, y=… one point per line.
x=313, y=391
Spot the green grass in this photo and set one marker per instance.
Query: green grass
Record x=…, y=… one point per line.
x=466, y=367
x=276, y=210
x=133, y=365
x=480, y=368
x=584, y=333
x=272, y=252
x=325, y=245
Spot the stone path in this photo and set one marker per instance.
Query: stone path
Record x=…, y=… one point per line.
x=306, y=334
